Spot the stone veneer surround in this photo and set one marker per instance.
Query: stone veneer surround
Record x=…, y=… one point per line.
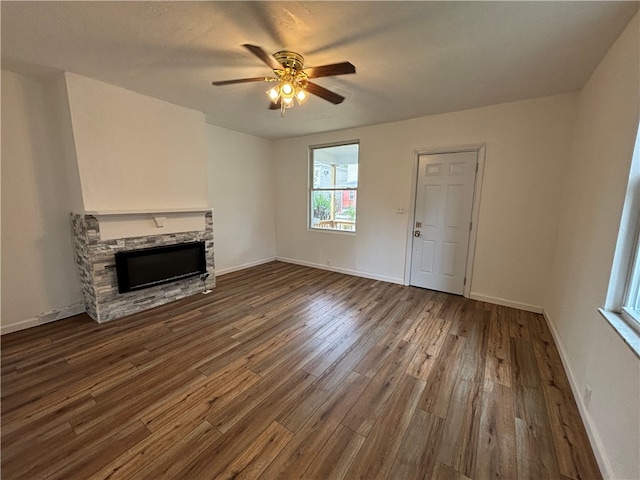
x=96, y=261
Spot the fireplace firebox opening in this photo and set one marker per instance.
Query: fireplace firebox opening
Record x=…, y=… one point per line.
x=147, y=267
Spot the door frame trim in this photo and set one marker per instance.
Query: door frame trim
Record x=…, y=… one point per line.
x=480, y=149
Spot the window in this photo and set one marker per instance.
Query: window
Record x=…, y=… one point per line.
x=334, y=187
x=630, y=305
x=622, y=306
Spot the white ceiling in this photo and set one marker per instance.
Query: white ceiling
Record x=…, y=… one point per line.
x=412, y=58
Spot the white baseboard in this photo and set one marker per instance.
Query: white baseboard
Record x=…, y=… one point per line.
x=222, y=271
x=505, y=303
x=592, y=432
x=356, y=273
x=47, y=317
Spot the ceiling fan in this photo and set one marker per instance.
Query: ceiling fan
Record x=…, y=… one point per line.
x=293, y=78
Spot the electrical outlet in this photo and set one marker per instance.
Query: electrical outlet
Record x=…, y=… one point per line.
x=587, y=396
x=329, y=261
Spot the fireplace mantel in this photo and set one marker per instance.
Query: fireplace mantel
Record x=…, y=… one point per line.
x=116, y=224
x=164, y=211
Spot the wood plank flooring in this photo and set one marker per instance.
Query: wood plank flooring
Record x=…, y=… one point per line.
x=289, y=372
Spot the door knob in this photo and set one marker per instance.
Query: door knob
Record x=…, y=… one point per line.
x=416, y=233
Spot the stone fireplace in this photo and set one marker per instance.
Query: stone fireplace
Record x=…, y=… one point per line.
x=98, y=236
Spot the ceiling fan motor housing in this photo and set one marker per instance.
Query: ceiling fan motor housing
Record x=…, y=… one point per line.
x=291, y=60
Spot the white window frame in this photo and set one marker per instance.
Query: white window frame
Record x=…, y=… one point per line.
x=622, y=305
x=311, y=189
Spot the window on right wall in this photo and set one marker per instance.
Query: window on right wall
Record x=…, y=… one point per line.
x=333, y=187
x=622, y=306
x=630, y=308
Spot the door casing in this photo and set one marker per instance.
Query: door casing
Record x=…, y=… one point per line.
x=475, y=209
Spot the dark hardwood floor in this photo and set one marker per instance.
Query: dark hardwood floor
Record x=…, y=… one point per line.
x=290, y=372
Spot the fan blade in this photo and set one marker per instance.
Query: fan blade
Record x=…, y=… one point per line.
x=239, y=80
x=274, y=106
x=264, y=56
x=322, y=92
x=330, y=70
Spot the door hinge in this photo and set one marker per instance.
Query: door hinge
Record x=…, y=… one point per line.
x=464, y=282
x=477, y=166
x=470, y=225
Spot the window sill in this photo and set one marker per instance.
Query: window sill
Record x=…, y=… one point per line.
x=620, y=325
x=331, y=230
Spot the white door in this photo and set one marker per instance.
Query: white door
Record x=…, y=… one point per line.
x=444, y=199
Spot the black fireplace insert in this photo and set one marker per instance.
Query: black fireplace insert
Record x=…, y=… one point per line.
x=147, y=267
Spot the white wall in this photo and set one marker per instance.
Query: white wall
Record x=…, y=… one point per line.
x=526, y=148
x=38, y=190
x=242, y=193
x=136, y=152
x=596, y=181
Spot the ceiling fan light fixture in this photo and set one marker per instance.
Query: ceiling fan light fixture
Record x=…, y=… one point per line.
x=285, y=102
x=274, y=93
x=301, y=96
x=290, y=88
x=287, y=90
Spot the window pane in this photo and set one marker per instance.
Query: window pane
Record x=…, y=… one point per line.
x=334, y=210
x=632, y=298
x=336, y=166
